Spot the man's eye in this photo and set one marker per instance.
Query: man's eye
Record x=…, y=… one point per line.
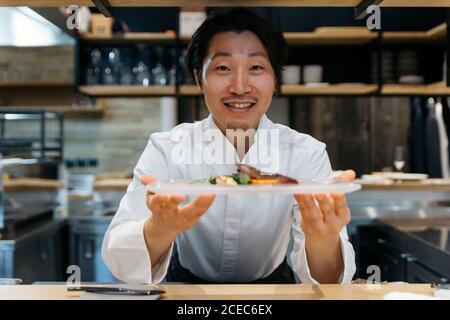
x=222, y=68
x=256, y=68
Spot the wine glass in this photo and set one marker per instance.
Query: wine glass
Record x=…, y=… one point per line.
x=399, y=158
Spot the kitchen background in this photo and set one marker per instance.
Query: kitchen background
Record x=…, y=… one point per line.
x=83, y=104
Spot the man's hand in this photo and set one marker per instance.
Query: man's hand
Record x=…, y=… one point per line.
x=169, y=218
x=322, y=219
x=326, y=218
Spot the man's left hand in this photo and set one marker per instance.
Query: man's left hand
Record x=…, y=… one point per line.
x=324, y=218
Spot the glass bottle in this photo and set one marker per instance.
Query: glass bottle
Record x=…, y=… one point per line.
x=159, y=72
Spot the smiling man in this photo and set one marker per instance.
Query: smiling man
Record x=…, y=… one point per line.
x=236, y=59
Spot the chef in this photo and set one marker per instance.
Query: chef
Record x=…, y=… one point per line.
x=236, y=59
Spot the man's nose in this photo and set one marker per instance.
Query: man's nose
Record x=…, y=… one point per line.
x=240, y=83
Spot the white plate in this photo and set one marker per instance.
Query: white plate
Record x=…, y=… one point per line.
x=193, y=187
x=403, y=176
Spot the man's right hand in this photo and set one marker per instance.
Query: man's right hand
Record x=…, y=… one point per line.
x=169, y=218
x=167, y=213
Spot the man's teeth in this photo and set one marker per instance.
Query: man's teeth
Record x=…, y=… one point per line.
x=240, y=105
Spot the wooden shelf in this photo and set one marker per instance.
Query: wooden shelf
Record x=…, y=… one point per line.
x=438, y=88
x=224, y=3
x=404, y=186
x=32, y=184
x=320, y=36
x=112, y=184
x=189, y=90
x=331, y=35
x=182, y=3
x=67, y=110
x=436, y=34
x=130, y=37
x=127, y=90
x=333, y=89
x=10, y=84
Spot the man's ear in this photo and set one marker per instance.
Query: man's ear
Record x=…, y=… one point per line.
x=197, y=81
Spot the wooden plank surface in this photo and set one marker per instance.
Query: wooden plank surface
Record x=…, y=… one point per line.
x=7, y=84
x=438, y=33
x=236, y=292
x=130, y=37
x=112, y=184
x=331, y=35
x=189, y=90
x=415, y=3
x=231, y=3
x=226, y=3
x=405, y=186
x=438, y=88
x=43, y=3
x=32, y=184
x=127, y=90
x=334, y=89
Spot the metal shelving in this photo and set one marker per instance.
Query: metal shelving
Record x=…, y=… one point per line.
x=43, y=144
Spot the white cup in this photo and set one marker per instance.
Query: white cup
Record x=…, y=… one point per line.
x=291, y=74
x=312, y=73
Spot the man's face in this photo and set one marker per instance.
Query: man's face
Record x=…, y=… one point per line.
x=237, y=80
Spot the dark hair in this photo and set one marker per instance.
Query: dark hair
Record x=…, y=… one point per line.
x=237, y=20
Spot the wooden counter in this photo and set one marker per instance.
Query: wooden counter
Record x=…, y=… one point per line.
x=112, y=184
x=122, y=184
x=232, y=292
x=404, y=186
x=32, y=184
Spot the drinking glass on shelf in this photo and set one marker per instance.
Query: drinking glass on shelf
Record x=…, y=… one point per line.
x=399, y=158
x=108, y=76
x=159, y=72
x=93, y=72
x=96, y=57
x=172, y=72
x=141, y=74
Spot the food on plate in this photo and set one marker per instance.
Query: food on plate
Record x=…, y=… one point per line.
x=259, y=176
x=233, y=180
x=249, y=175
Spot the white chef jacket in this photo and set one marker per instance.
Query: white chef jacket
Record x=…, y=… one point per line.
x=240, y=238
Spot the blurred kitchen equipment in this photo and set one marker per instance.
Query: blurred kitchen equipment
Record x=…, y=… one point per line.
x=387, y=66
x=399, y=158
x=101, y=25
x=10, y=281
x=401, y=176
x=291, y=74
x=407, y=67
x=190, y=21
x=159, y=76
x=444, y=68
x=141, y=71
x=312, y=73
x=81, y=175
x=411, y=79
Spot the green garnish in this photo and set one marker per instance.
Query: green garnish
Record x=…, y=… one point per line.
x=241, y=178
x=212, y=180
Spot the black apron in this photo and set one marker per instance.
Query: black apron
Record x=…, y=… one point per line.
x=177, y=273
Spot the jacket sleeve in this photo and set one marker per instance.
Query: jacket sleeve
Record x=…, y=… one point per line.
x=124, y=249
x=319, y=168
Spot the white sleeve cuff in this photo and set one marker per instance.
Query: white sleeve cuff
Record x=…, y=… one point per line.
x=125, y=253
x=300, y=263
